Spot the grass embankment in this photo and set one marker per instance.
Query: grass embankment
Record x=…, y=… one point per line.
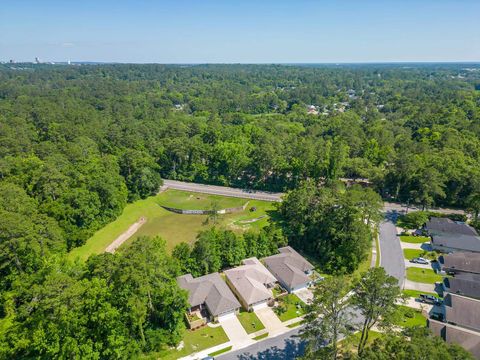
x=295, y=324
x=426, y=276
x=260, y=337
x=408, y=317
x=195, y=341
x=250, y=322
x=172, y=227
x=377, y=246
x=414, y=239
x=291, y=306
x=221, y=351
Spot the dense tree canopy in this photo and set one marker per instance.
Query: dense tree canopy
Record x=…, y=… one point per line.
x=111, y=308
x=332, y=224
x=79, y=142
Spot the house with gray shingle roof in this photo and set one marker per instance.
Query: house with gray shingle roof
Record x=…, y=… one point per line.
x=209, y=293
x=451, y=236
x=252, y=283
x=460, y=262
x=290, y=268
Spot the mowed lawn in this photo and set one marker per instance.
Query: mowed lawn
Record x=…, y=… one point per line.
x=426, y=276
x=408, y=317
x=172, y=227
x=250, y=322
x=194, y=341
x=294, y=307
x=414, y=239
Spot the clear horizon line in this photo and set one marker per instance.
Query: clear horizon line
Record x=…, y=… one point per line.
x=47, y=62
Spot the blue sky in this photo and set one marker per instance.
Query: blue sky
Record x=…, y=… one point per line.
x=245, y=31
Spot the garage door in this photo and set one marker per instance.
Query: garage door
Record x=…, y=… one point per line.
x=227, y=315
x=260, y=305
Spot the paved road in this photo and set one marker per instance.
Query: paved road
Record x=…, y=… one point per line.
x=283, y=347
x=222, y=190
x=391, y=258
x=268, y=196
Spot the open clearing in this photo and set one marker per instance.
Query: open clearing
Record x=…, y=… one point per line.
x=172, y=227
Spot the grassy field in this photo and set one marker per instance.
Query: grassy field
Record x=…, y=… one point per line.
x=427, y=276
x=408, y=317
x=195, y=341
x=250, y=322
x=414, y=239
x=294, y=307
x=172, y=227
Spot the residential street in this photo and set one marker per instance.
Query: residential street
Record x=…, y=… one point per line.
x=391, y=252
x=283, y=347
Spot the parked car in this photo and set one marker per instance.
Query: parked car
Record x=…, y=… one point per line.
x=419, y=232
x=420, y=260
x=429, y=299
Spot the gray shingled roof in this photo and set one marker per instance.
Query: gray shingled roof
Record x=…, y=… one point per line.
x=445, y=225
x=468, y=339
x=462, y=311
x=457, y=241
x=451, y=234
x=289, y=267
x=210, y=290
x=462, y=262
x=464, y=284
x=250, y=279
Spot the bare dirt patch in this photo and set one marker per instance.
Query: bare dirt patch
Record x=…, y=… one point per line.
x=126, y=235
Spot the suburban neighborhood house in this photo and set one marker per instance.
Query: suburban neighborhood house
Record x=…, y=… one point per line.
x=209, y=294
x=461, y=323
x=290, y=268
x=252, y=283
x=460, y=262
x=463, y=284
x=450, y=236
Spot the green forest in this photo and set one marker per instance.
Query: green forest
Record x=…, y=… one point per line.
x=77, y=143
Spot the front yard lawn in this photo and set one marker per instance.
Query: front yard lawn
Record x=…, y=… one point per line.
x=414, y=239
x=250, y=322
x=426, y=276
x=290, y=307
x=196, y=340
x=414, y=253
x=415, y=293
x=408, y=317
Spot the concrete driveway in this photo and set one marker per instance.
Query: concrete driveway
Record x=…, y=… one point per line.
x=306, y=295
x=235, y=331
x=271, y=321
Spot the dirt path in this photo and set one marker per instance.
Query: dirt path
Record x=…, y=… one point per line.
x=126, y=235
